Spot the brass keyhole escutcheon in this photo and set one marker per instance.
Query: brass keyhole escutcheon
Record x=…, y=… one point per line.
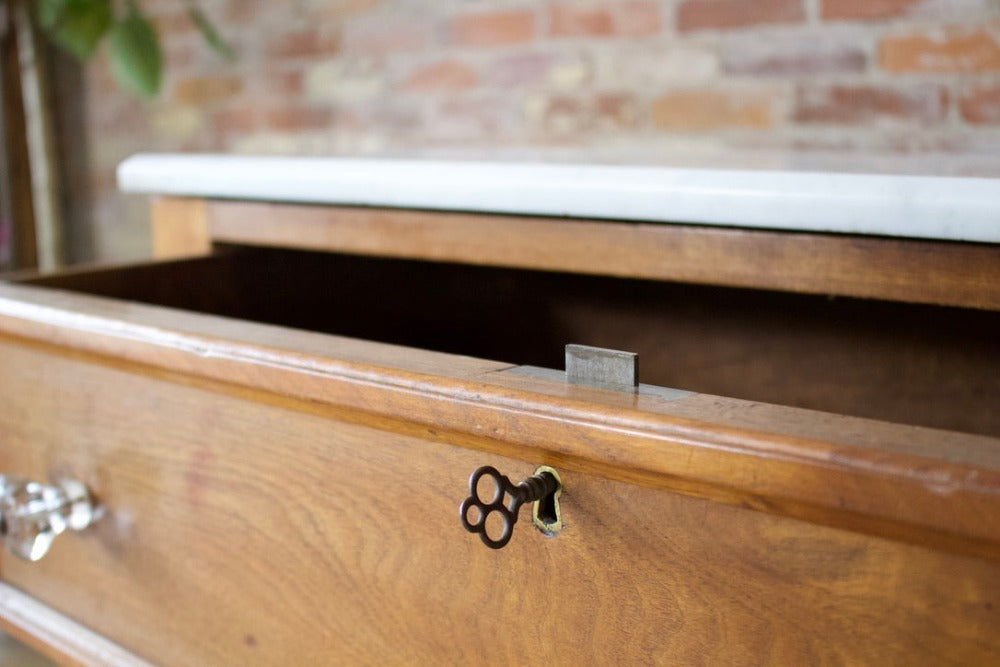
x=545, y=512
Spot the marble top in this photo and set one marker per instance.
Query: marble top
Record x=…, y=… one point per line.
x=930, y=207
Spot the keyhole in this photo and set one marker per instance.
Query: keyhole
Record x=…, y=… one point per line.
x=547, y=509
x=545, y=512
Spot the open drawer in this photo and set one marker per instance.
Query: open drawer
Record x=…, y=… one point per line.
x=281, y=440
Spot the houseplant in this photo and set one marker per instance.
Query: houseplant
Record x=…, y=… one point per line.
x=79, y=26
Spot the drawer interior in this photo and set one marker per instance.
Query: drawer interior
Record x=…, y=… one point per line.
x=923, y=365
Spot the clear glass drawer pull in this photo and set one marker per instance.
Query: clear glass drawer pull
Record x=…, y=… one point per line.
x=32, y=514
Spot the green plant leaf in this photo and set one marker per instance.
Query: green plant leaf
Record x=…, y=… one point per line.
x=49, y=12
x=209, y=33
x=136, y=59
x=81, y=25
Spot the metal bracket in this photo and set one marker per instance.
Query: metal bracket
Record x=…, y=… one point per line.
x=600, y=367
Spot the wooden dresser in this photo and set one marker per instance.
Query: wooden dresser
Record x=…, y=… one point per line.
x=278, y=417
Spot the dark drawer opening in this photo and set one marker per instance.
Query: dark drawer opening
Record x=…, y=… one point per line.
x=922, y=365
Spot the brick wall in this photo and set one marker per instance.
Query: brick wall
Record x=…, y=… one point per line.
x=898, y=85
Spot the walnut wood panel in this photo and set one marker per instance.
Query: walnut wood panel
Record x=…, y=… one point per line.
x=957, y=274
x=56, y=636
x=240, y=531
x=179, y=227
x=832, y=474
x=908, y=363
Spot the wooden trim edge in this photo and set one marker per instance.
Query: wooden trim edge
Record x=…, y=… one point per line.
x=909, y=270
x=179, y=227
x=56, y=636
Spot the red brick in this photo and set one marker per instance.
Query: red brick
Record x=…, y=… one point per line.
x=283, y=83
x=207, y=89
x=564, y=116
x=799, y=57
x=390, y=116
x=638, y=19
x=172, y=23
x=348, y=120
x=339, y=9
x=981, y=106
x=386, y=35
x=494, y=28
x=445, y=75
x=179, y=56
x=482, y=120
x=520, y=69
x=569, y=116
x=703, y=110
x=243, y=120
x=240, y=11
x=723, y=14
x=840, y=104
x=292, y=119
x=628, y=19
x=615, y=110
x=118, y=117
x=573, y=20
x=864, y=9
x=942, y=50
x=309, y=43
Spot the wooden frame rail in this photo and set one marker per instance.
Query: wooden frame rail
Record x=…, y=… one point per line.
x=56, y=636
x=917, y=271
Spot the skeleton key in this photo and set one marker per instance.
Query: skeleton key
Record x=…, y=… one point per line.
x=531, y=489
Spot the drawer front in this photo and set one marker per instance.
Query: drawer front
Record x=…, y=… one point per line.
x=242, y=527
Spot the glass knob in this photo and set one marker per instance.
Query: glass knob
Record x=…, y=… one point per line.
x=32, y=514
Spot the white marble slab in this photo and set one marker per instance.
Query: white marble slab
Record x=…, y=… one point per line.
x=966, y=209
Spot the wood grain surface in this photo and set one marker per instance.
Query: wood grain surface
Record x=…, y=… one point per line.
x=241, y=531
x=957, y=274
x=926, y=487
